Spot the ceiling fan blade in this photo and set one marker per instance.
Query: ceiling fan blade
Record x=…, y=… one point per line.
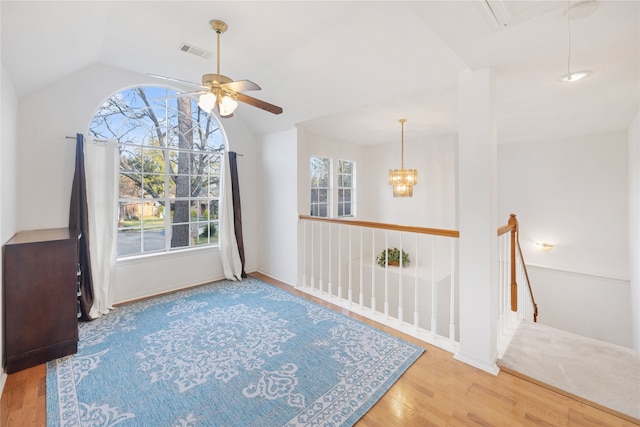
x=258, y=103
x=242, y=86
x=178, y=80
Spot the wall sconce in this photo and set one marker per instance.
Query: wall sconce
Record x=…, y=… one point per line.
x=545, y=246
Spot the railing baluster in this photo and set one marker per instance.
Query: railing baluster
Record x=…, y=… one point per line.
x=304, y=254
x=361, y=296
x=400, y=296
x=434, y=290
x=452, y=294
x=350, y=291
x=373, y=271
x=339, y=262
x=320, y=261
x=330, y=255
x=501, y=282
x=416, y=300
x=386, y=276
x=313, y=257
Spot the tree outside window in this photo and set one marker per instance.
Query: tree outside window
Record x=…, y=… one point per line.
x=320, y=186
x=170, y=154
x=345, y=188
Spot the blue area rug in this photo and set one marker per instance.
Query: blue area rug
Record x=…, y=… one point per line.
x=225, y=354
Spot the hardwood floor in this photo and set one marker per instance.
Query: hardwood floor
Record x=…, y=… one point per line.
x=436, y=390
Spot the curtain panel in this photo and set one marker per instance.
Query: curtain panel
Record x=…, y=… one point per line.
x=102, y=159
x=78, y=220
x=237, y=209
x=229, y=253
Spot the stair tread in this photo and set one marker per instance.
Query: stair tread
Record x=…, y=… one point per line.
x=599, y=372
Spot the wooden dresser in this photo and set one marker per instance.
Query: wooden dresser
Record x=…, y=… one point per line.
x=40, y=297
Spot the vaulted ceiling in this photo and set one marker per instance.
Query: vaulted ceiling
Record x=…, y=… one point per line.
x=349, y=70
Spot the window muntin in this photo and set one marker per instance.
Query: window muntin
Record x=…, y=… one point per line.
x=320, y=186
x=345, y=188
x=170, y=154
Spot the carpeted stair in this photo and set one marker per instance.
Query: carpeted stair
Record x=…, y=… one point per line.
x=598, y=373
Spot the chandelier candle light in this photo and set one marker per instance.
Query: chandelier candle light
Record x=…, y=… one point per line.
x=403, y=179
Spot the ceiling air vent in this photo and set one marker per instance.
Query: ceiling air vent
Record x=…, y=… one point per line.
x=500, y=14
x=195, y=51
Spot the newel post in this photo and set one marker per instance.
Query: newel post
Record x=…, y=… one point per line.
x=513, y=224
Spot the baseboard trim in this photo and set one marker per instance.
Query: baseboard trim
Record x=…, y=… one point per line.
x=3, y=381
x=491, y=368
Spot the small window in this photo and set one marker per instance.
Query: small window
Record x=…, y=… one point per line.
x=345, y=188
x=320, y=186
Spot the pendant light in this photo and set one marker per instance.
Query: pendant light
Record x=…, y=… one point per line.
x=403, y=179
x=574, y=76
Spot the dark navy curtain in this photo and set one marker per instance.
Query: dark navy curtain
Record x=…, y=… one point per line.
x=237, y=210
x=78, y=220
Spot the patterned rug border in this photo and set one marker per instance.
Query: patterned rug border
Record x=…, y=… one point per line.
x=339, y=407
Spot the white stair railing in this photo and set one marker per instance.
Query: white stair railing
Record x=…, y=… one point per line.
x=419, y=297
x=516, y=296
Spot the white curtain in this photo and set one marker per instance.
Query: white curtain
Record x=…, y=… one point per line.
x=102, y=165
x=231, y=263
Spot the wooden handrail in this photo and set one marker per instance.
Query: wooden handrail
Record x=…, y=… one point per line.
x=383, y=226
x=512, y=227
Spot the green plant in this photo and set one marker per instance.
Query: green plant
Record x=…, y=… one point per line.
x=394, y=257
x=209, y=230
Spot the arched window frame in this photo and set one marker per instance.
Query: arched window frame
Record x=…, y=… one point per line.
x=170, y=155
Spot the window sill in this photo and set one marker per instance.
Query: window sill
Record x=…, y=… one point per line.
x=135, y=259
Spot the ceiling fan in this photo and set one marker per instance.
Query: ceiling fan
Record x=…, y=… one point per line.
x=218, y=91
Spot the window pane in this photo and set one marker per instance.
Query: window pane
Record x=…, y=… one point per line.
x=322, y=211
x=153, y=160
x=153, y=185
x=129, y=242
x=130, y=185
x=314, y=195
x=345, y=191
x=153, y=239
x=346, y=167
x=322, y=195
x=324, y=179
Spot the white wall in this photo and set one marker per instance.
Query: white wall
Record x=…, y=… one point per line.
x=46, y=165
x=573, y=193
x=277, y=203
x=634, y=227
x=434, y=197
x=8, y=148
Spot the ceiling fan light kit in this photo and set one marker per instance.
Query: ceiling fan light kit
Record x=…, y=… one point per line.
x=221, y=92
x=403, y=179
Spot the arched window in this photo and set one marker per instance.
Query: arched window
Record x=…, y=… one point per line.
x=170, y=154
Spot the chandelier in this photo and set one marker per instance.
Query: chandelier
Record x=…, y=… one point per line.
x=403, y=179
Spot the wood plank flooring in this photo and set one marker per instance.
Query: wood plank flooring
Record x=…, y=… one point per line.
x=436, y=390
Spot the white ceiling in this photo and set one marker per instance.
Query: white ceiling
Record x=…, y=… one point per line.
x=350, y=70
